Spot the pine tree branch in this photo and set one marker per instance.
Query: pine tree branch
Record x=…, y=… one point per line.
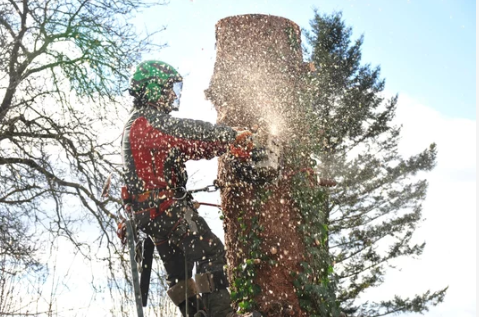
x=418, y=304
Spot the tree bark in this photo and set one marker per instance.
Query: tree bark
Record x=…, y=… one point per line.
x=256, y=81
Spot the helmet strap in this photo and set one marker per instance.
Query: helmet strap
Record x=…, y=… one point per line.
x=160, y=106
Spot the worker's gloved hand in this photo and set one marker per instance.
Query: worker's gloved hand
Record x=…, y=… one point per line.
x=244, y=139
x=121, y=231
x=243, y=145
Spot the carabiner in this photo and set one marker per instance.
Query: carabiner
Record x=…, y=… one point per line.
x=184, y=195
x=211, y=188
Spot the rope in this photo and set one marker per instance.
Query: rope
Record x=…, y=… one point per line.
x=186, y=286
x=209, y=204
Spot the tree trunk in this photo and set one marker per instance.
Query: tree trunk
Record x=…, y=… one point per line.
x=256, y=80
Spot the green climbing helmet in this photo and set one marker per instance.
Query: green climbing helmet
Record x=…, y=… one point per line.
x=153, y=79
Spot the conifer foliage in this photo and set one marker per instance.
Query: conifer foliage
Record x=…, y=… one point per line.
x=373, y=212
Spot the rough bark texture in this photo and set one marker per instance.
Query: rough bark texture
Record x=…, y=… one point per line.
x=256, y=81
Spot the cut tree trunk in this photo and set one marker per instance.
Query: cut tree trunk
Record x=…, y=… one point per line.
x=256, y=81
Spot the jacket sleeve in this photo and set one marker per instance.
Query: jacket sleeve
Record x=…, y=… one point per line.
x=195, y=139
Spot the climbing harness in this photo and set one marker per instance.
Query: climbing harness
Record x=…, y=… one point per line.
x=141, y=284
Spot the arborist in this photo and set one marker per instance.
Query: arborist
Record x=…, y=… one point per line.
x=155, y=147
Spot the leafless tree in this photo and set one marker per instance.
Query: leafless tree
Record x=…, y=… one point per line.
x=64, y=68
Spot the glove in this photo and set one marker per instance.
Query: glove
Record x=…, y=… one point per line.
x=244, y=139
x=121, y=231
x=243, y=145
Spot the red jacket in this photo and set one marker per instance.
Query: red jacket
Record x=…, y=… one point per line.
x=157, y=145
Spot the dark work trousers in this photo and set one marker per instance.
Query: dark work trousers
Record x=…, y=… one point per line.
x=180, y=235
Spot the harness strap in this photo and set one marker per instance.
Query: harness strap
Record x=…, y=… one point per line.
x=148, y=201
x=154, y=195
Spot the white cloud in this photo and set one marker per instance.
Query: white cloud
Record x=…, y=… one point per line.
x=455, y=137
x=449, y=229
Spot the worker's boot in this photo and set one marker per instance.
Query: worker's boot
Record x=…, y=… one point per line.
x=193, y=307
x=219, y=305
x=216, y=297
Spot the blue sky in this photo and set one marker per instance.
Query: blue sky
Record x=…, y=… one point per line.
x=426, y=50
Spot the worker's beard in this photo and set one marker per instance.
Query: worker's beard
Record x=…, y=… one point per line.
x=160, y=107
x=165, y=107
x=168, y=101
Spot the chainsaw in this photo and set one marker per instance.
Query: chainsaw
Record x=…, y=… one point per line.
x=265, y=165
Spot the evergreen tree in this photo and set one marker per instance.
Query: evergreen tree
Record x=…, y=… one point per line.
x=373, y=212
